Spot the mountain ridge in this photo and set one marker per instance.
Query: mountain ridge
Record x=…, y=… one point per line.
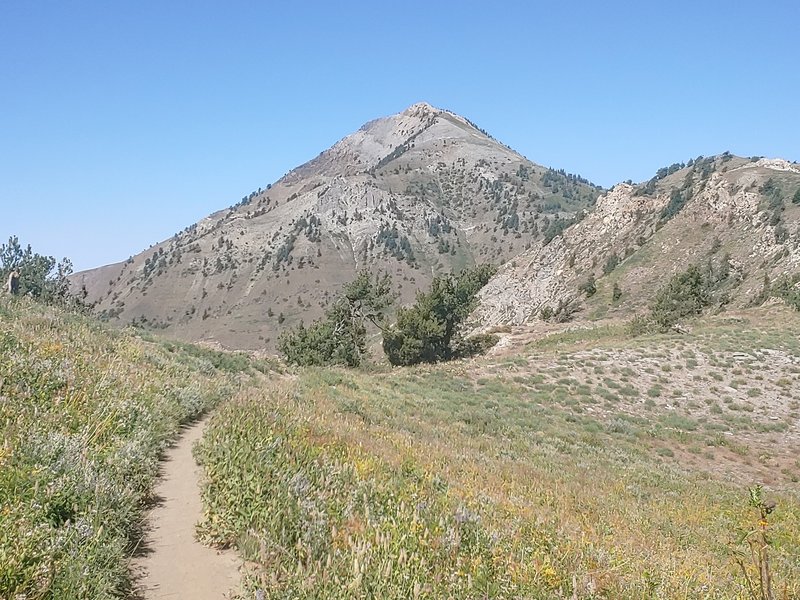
x=720, y=208
x=417, y=193
x=425, y=192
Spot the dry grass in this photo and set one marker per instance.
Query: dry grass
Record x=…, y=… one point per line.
x=577, y=467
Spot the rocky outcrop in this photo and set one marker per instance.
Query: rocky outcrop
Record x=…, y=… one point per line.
x=638, y=236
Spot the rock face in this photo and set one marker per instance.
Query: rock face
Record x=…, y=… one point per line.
x=719, y=209
x=418, y=193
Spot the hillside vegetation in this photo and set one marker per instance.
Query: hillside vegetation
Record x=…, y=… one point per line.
x=583, y=463
x=588, y=464
x=84, y=415
x=734, y=215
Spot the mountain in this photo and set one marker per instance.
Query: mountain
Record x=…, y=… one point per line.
x=740, y=215
x=418, y=193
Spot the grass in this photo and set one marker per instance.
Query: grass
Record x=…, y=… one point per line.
x=591, y=465
x=84, y=415
x=468, y=481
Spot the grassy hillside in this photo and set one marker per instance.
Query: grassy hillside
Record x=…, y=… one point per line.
x=581, y=464
x=588, y=465
x=84, y=415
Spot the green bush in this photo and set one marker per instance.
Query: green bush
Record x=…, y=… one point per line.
x=428, y=331
x=588, y=287
x=611, y=264
x=475, y=345
x=677, y=200
x=685, y=295
x=787, y=289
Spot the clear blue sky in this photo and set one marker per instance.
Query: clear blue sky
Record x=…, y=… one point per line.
x=123, y=122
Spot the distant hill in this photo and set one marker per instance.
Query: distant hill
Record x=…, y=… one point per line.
x=418, y=193
x=741, y=215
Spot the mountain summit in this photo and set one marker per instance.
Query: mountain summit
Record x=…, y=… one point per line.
x=418, y=193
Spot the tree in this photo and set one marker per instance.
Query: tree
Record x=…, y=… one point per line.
x=588, y=287
x=686, y=294
x=428, y=331
x=40, y=276
x=339, y=338
x=796, y=197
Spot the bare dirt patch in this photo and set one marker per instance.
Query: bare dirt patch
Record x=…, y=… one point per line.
x=171, y=563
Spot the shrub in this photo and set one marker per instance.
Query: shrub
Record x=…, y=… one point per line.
x=686, y=294
x=564, y=310
x=475, y=345
x=787, y=289
x=611, y=264
x=689, y=292
x=588, y=287
x=677, y=200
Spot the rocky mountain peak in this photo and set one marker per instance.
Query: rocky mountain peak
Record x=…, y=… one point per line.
x=421, y=109
x=417, y=193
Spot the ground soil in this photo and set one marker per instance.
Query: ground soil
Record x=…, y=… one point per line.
x=171, y=563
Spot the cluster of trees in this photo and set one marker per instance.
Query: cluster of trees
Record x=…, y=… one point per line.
x=397, y=245
x=687, y=294
x=428, y=331
x=40, y=277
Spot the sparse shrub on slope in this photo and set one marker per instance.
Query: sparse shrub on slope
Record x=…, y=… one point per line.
x=788, y=289
x=429, y=330
x=84, y=415
x=588, y=287
x=687, y=294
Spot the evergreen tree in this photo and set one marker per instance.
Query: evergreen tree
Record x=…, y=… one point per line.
x=40, y=277
x=428, y=331
x=339, y=338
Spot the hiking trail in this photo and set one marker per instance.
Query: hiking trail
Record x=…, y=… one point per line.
x=171, y=562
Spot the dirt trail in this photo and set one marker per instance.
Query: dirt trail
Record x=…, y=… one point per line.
x=172, y=563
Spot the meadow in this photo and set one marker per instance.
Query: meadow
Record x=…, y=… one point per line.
x=579, y=463
x=586, y=464
x=85, y=413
